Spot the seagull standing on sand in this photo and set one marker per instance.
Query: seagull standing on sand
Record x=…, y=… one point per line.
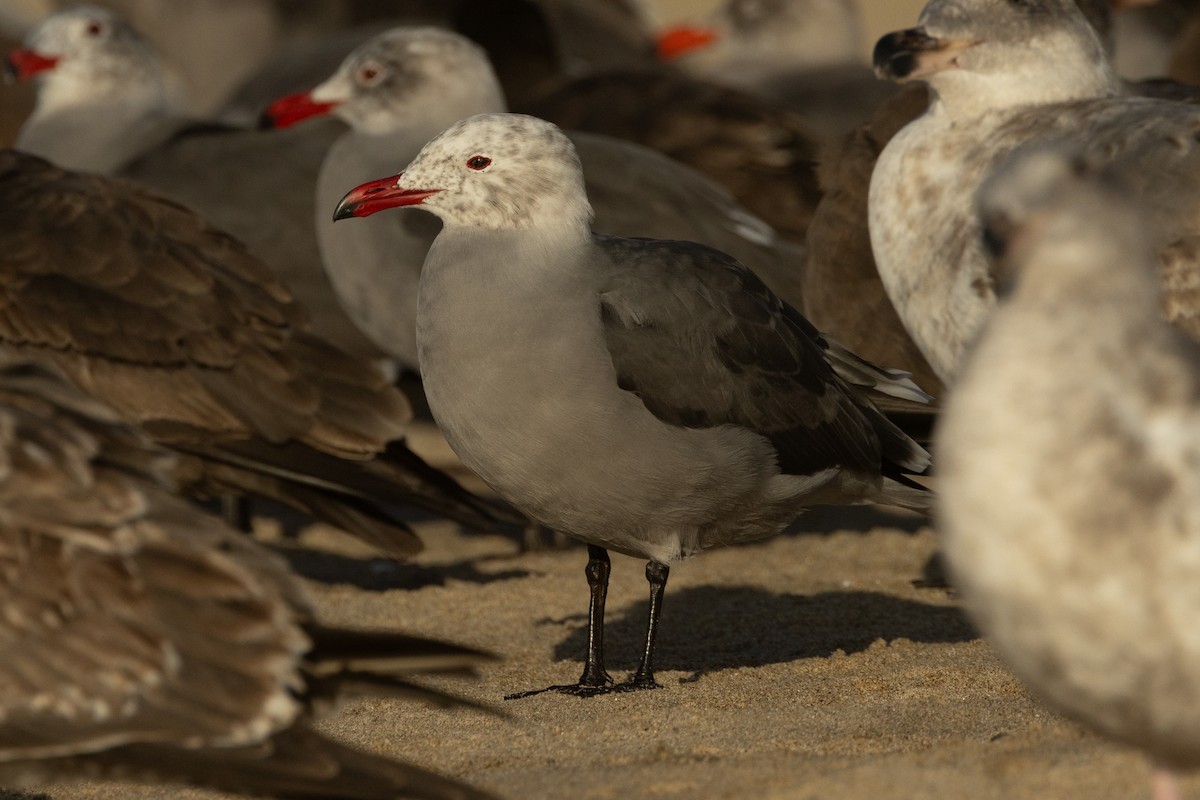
x=1069, y=456
x=1002, y=74
x=649, y=397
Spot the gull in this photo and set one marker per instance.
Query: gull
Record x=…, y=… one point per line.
x=1069, y=461
x=103, y=105
x=1002, y=74
x=143, y=637
x=405, y=86
x=646, y=396
x=143, y=305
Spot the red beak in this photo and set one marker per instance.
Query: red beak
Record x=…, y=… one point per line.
x=675, y=42
x=378, y=195
x=287, y=111
x=24, y=64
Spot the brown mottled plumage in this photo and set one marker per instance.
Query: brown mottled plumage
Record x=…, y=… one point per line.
x=144, y=638
x=148, y=309
x=840, y=264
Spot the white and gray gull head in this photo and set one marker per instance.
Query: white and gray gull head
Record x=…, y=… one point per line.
x=88, y=55
x=978, y=54
x=490, y=171
x=385, y=83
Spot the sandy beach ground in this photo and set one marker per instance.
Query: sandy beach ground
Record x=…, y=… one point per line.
x=812, y=665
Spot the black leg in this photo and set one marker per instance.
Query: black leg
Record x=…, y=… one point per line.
x=594, y=680
x=598, y=568
x=656, y=575
x=235, y=508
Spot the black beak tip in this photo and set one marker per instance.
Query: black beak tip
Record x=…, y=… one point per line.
x=266, y=122
x=11, y=73
x=895, y=54
x=345, y=210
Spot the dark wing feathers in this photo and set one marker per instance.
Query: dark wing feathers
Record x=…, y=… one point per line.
x=142, y=637
x=120, y=600
x=703, y=342
x=114, y=283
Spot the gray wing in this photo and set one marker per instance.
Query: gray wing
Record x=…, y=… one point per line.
x=128, y=616
x=702, y=342
x=761, y=154
x=636, y=191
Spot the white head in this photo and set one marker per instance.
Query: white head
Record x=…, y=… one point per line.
x=400, y=77
x=89, y=55
x=492, y=172
x=978, y=55
x=795, y=33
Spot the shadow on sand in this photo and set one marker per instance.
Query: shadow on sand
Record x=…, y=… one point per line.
x=710, y=628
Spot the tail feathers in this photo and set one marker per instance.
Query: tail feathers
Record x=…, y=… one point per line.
x=397, y=477
x=337, y=649
x=295, y=764
x=900, y=491
x=360, y=518
x=857, y=371
x=349, y=685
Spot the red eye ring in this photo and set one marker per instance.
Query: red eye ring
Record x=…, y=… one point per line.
x=479, y=162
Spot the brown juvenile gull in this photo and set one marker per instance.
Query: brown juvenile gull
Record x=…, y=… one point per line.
x=807, y=55
x=407, y=85
x=646, y=396
x=1069, y=462
x=144, y=639
x=146, y=307
x=103, y=106
x=1002, y=74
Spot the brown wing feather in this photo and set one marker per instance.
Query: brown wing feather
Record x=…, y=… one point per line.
x=146, y=307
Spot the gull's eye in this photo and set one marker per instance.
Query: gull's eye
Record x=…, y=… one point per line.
x=94, y=28
x=369, y=74
x=479, y=162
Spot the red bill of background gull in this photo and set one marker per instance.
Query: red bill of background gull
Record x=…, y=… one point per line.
x=1069, y=462
x=1003, y=74
x=650, y=397
x=146, y=307
x=404, y=87
x=807, y=55
x=103, y=106
x=144, y=639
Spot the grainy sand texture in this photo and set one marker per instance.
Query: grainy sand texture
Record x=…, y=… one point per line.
x=812, y=665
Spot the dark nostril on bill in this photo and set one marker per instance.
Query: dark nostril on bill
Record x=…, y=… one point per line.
x=376, y=190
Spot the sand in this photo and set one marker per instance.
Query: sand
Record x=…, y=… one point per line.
x=813, y=665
